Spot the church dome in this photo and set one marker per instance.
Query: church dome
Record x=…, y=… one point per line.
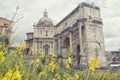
x=45, y=21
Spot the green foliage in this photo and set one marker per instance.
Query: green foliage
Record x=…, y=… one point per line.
x=27, y=67
x=4, y=39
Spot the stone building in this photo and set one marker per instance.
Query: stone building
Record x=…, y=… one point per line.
x=29, y=42
x=80, y=33
x=5, y=28
x=43, y=41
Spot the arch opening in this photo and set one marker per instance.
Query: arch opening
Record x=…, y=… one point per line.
x=66, y=42
x=78, y=54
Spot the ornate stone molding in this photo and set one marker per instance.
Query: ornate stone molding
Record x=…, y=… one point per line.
x=89, y=5
x=81, y=20
x=70, y=29
x=57, y=36
x=97, y=21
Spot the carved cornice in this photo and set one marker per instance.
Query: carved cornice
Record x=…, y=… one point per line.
x=29, y=39
x=75, y=24
x=97, y=21
x=70, y=29
x=57, y=36
x=81, y=20
x=89, y=5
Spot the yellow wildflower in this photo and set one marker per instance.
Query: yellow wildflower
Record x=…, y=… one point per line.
x=0, y=75
x=94, y=64
x=97, y=63
x=37, y=60
x=69, y=60
x=53, y=55
x=12, y=75
x=42, y=55
x=21, y=47
x=2, y=58
x=42, y=73
x=7, y=75
x=76, y=76
x=52, y=66
x=57, y=76
x=52, y=58
x=16, y=75
x=67, y=66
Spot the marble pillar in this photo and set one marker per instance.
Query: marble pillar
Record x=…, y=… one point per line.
x=59, y=44
x=70, y=37
x=80, y=38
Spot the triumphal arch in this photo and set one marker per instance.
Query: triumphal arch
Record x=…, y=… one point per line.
x=80, y=33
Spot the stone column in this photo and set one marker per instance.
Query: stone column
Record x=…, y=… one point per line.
x=80, y=38
x=39, y=47
x=70, y=37
x=55, y=45
x=35, y=46
x=42, y=47
x=59, y=44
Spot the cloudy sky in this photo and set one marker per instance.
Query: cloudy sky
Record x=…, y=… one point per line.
x=32, y=11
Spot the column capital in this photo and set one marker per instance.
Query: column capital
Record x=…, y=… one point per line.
x=70, y=29
x=81, y=21
x=59, y=35
x=55, y=38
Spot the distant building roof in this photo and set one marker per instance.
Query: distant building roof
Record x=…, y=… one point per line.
x=5, y=19
x=115, y=52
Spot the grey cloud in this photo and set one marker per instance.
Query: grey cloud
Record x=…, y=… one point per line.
x=112, y=43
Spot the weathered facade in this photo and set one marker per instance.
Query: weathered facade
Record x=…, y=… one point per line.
x=81, y=33
x=43, y=41
x=5, y=28
x=29, y=42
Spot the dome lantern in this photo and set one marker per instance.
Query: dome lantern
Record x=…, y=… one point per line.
x=45, y=13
